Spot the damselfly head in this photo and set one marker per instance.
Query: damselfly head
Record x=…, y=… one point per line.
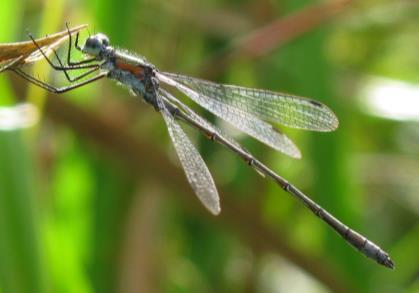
x=95, y=44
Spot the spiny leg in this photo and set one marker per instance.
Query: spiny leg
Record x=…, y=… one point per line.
x=70, y=79
x=76, y=45
x=11, y=64
x=53, y=89
x=60, y=68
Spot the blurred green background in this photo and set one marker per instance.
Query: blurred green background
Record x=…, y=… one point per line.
x=92, y=199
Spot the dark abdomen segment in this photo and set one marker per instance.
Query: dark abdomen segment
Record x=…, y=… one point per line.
x=358, y=241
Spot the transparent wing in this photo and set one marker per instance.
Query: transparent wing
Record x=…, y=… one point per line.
x=194, y=166
x=200, y=120
x=288, y=110
x=245, y=121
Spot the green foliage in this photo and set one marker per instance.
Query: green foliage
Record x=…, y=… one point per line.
x=21, y=269
x=92, y=200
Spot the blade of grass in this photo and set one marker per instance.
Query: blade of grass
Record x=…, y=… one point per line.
x=20, y=266
x=21, y=269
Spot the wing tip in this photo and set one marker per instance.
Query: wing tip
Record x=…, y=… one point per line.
x=335, y=122
x=329, y=126
x=212, y=204
x=294, y=153
x=297, y=155
x=215, y=210
x=291, y=150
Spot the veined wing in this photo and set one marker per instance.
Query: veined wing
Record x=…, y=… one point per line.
x=355, y=239
x=194, y=166
x=288, y=110
x=210, y=129
x=245, y=121
x=200, y=120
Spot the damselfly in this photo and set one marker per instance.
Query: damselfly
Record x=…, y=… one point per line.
x=249, y=110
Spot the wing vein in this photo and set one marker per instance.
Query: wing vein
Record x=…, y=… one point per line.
x=289, y=110
x=197, y=173
x=245, y=121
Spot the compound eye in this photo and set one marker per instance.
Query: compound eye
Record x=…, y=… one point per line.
x=96, y=44
x=92, y=43
x=92, y=46
x=89, y=43
x=105, y=41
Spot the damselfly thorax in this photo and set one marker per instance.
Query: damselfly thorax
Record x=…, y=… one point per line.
x=132, y=71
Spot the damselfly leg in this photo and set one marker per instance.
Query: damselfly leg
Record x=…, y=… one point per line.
x=59, y=67
x=71, y=65
x=76, y=45
x=54, y=89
